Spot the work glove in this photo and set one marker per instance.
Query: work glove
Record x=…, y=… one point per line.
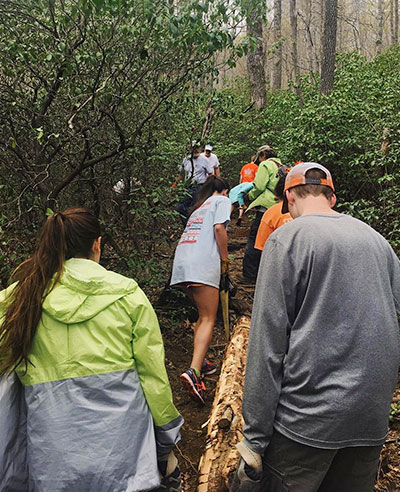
x=225, y=266
x=226, y=283
x=170, y=474
x=249, y=471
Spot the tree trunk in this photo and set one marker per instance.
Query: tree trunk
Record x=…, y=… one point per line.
x=277, y=75
x=293, y=26
x=356, y=12
x=256, y=59
x=379, y=35
x=224, y=430
x=340, y=28
x=391, y=18
x=394, y=22
x=309, y=32
x=329, y=46
x=210, y=113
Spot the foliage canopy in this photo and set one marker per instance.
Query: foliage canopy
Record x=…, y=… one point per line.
x=98, y=91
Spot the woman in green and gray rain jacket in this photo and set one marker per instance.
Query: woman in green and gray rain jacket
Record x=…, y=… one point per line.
x=89, y=406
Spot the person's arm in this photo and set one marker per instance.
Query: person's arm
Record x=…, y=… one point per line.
x=268, y=341
x=148, y=353
x=14, y=473
x=208, y=166
x=216, y=167
x=221, y=221
x=181, y=171
x=260, y=181
x=395, y=279
x=221, y=237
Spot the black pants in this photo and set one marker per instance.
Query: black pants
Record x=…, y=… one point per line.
x=252, y=256
x=293, y=467
x=189, y=200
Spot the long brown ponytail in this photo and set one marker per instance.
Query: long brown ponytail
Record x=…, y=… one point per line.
x=64, y=235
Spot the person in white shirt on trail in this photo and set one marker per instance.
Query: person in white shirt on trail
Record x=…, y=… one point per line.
x=195, y=169
x=200, y=257
x=213, y=159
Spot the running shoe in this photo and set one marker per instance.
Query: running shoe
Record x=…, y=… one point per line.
x=195, y=385
x=208, y=368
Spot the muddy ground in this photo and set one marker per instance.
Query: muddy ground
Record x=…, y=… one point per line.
x=178, y=339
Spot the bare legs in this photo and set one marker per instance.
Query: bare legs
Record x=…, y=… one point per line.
x=206, y=299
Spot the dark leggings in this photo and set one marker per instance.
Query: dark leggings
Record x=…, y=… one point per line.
x=252, y=256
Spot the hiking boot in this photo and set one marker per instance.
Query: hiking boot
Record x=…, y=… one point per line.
x=208, y=368
x=195, y=385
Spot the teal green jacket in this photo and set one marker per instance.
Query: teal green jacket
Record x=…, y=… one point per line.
x=97, y=395
x=262, y=195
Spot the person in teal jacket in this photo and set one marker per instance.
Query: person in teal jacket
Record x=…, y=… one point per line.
x=262, y=197
x=86, y=403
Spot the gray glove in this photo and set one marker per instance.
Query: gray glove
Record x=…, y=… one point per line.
x=249, y=471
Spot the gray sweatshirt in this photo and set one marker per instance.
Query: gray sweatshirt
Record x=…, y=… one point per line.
x=324, y=345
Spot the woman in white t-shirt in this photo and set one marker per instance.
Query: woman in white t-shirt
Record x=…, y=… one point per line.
x=201, y=250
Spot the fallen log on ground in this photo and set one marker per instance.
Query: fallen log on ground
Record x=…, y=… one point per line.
x=225, y=425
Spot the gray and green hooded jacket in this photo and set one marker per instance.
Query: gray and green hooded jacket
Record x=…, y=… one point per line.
x=266, y=178
x=98, y=403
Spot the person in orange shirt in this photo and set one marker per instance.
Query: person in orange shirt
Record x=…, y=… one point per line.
x=273, y=217
x=248, y=171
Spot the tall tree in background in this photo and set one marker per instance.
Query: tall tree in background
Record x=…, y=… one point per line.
x=356, y=12
x=329, y=46
x=293, y=26
x=256, y=58
x=394, y=21
x=310, y=36
x=379, y=34
x=277, y=73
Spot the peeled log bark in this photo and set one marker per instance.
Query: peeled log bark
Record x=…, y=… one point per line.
x=225, y=426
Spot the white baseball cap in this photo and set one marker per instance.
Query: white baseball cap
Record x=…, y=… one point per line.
x=208, y=147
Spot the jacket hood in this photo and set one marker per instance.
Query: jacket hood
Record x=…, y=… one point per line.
x=85, y=289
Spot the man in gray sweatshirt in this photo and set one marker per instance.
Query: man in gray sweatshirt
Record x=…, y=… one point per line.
x=324, y=349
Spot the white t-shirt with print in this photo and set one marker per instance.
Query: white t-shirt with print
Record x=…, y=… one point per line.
x=197, y=257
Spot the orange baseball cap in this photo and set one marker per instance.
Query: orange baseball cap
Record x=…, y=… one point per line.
x=297, y=177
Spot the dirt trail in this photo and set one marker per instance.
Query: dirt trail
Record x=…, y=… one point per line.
x=178, y=345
